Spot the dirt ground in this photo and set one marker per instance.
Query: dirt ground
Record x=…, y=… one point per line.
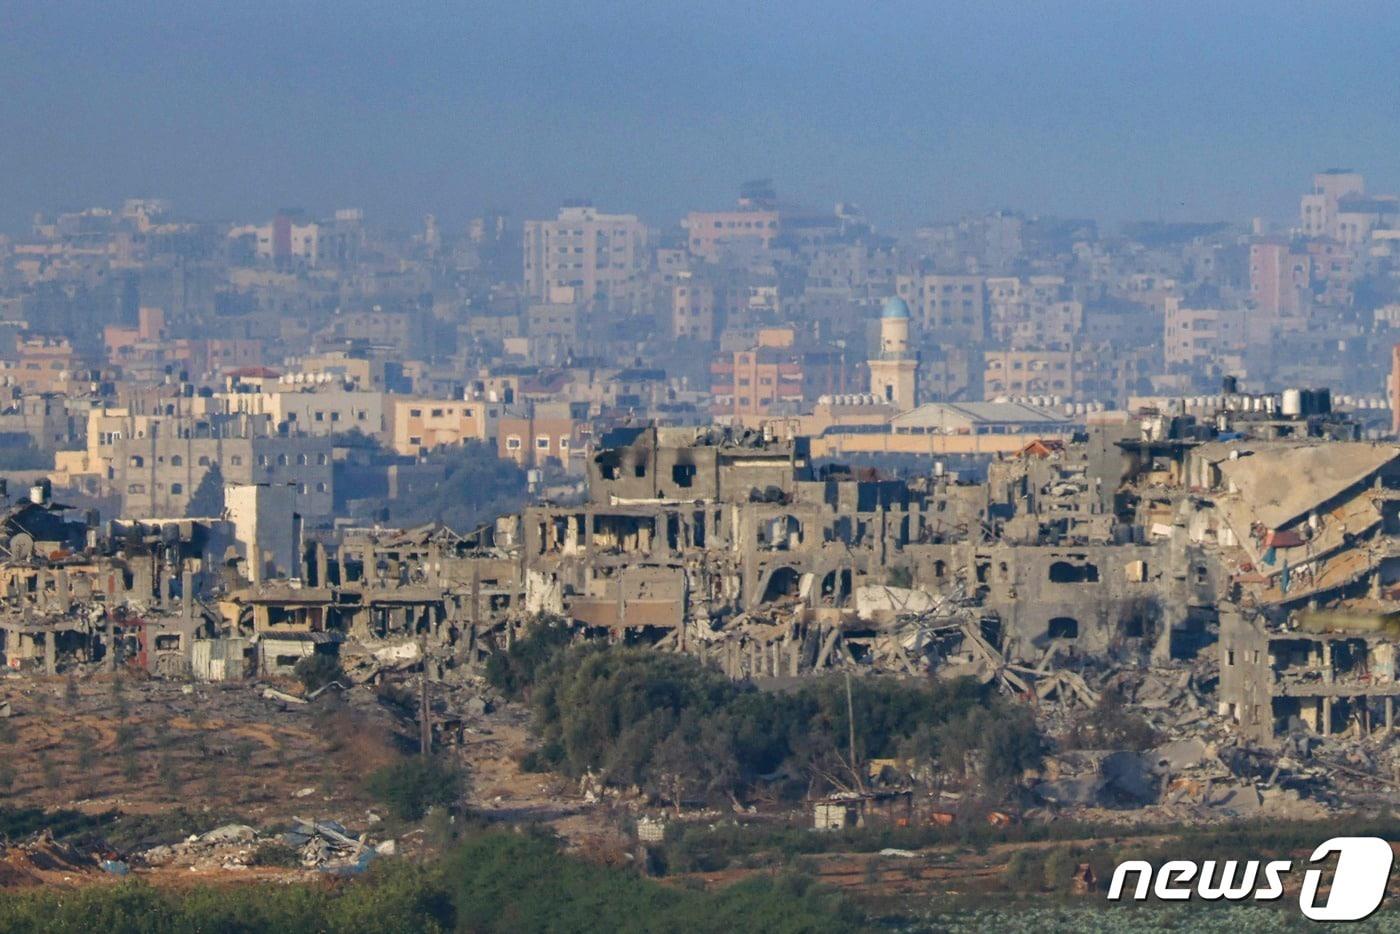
x=215, y=753
x=99, y=744
x=152, y=748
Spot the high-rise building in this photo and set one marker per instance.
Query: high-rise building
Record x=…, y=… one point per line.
x=1279, y=280
x=587, y=257
x=692, y=308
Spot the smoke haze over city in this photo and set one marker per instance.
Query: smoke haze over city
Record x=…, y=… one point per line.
x=918, y=111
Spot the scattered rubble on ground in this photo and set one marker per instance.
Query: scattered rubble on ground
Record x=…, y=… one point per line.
x=1156, y=564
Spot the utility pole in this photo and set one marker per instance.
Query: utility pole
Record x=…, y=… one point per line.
x=851, y=730
x=425, y=711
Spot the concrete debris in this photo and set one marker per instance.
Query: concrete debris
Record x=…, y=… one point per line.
x=875, y=600
x=229, y=833
x=321, y=845
x=1154, y=571
x=1180, y=755
x=282, y=696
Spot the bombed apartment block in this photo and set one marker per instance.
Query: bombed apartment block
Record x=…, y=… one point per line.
x=1328, y=673
x=1140, y=542
x=71, y=590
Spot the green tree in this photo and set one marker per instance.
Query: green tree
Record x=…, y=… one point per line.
x=990, y=746
x=410, y=787
x=513, y=670
x=681, y=730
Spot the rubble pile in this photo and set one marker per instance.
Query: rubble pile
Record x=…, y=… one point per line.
x=1201, y=771
x=321, y=845
x=43, y=860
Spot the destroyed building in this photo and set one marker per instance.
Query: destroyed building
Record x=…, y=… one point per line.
x=1141, y=541
x=127, y=592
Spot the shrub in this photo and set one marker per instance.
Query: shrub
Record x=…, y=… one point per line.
x=1025, y=871
x=682, y=731
x=493, y=882
x=169, y=774
x=53, y=775
x=1110, y=725
x=410, y=787
x=1060, y=865
x=513, y=671
x=317, y=670
x=275, y=853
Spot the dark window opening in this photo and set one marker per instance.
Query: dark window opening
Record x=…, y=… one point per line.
x=1064, y=627
x=783, y=583
x=1062, y=572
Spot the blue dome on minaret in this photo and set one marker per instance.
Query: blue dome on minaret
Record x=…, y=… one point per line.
x=895, y=308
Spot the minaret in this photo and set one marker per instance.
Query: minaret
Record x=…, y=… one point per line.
x=894, y=373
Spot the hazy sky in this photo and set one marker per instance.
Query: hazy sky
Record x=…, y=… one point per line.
x=916, y=110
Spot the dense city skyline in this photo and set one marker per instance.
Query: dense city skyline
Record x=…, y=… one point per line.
x=917, y=112
x=615, y=465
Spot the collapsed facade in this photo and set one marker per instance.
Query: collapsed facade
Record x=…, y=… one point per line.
x=128, y=592
x=1145, y=540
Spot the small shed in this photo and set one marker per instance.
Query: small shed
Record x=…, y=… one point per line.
x=221, y=659
x=861, y=809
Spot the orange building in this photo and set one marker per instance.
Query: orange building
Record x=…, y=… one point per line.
x=749, y=382
x=120, y=341
x=710, y=231
x=531, y=440
x=41, y=364
x=420, y=425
